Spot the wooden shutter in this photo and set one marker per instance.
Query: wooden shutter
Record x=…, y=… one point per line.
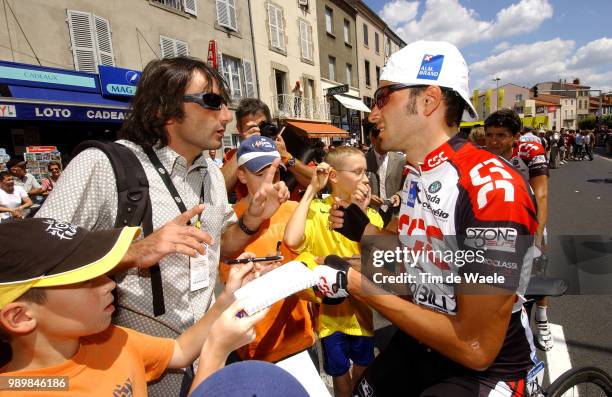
x=182, y=49
x=231, y=10
x=273, y=25
x=167, y=47
x=281, y=28
x=248, y=78
x=190, y=7
x=104, y=41
x=82, y=39
x=304, y=39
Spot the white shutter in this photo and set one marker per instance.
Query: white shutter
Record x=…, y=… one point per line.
x=281, y=28
x=231, y=10
x=222, y=14
x=190, y=7
x=182, y=49
x=82, y=39
x=104, y=41
x=310, y=44
x=273, y=26
x=303, y=39
x=167, y=47
x=248, y=78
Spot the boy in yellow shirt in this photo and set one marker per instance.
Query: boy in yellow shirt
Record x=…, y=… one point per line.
x=345, y=329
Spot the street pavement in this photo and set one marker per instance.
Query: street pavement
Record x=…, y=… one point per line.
x=580, y=230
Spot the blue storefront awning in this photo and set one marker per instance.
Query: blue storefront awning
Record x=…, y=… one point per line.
x=37, y=103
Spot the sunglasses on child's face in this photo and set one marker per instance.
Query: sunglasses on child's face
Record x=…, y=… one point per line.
x=382, y=94
x=208, y=100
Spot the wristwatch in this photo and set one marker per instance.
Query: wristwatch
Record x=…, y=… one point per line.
x=290, y=162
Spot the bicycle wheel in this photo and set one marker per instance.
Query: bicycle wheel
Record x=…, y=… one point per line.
x=583, y=382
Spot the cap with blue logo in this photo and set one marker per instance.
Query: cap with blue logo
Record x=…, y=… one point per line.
x=257, y=152
x=431, y=63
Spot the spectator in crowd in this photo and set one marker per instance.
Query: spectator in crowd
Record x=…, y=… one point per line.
x=13, y=199
x=250, y=114
x=346, y=329
x=55, y=170
x=56, y=306
x=385, y=170
x=297, y=93
x=579, y=142
x=477, y=136
x=287, y=329
x=589, y=143
x=23, y=178
x=212, y=153
x=179, y=111
x=527, y=135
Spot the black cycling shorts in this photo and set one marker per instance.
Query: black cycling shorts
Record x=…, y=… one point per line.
x=409, y=368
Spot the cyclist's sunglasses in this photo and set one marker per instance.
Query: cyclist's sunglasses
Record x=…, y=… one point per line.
x=207, y=100
x=382, y=94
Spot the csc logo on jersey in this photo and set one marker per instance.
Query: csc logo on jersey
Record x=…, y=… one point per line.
x=437, y=160
x=484, y=179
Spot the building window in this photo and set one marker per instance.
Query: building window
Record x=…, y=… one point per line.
x=277, y=27
x=518, y=97
x=365, y=35
x=91, y=40
x=329, y=20
x=367, y=72
x=388, y=47
x=226, y=14
x=306, y=45
x=347, y=31
x=377, y=74
x=377, y=42
x=188, y=6
x=171, y=48
x=331, y=68
x=239, y=76
x=349, y=74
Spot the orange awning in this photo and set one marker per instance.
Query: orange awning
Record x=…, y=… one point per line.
x=317, y=130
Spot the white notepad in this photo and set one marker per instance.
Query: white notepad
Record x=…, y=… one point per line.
x=275, y=285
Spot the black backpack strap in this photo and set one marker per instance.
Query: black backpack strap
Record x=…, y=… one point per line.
x=133, y=201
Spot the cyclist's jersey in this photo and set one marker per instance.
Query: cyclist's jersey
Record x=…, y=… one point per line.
x=530, y=159
x=466, y=199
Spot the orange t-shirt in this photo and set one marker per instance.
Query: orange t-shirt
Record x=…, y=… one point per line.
x=118, y=361
x=287, y=328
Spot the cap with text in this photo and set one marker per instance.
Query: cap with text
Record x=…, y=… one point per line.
x=257, y=152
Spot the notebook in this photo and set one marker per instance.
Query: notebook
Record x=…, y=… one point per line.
x=275, y=285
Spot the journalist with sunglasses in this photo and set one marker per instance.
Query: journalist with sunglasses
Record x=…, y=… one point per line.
x=179, y=111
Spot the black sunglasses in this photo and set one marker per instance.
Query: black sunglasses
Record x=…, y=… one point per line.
x=208, y=100
x=382, y=94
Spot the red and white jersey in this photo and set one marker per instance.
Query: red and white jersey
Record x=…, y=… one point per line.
x=530, y=159
x=462, y=200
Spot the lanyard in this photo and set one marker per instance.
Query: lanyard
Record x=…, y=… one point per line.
x=165, y=177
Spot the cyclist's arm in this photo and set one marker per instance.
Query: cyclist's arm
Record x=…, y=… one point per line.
x=539, y=184
x=472, y=338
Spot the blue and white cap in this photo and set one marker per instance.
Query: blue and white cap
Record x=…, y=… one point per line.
x=257, y=152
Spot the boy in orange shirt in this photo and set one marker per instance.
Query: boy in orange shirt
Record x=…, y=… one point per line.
x=55, y=315
x=287, y=329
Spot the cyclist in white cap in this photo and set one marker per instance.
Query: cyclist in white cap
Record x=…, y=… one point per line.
x=460, y=338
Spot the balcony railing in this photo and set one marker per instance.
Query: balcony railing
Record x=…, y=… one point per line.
x=288, y=106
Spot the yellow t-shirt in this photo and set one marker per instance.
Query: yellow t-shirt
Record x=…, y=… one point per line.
x=117, y=361
x=351, y=316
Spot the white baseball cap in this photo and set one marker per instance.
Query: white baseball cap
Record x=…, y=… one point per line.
x=431, y=63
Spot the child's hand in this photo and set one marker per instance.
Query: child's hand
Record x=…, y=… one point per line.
x=319, y=179
x=234, y=329
x=361, y=196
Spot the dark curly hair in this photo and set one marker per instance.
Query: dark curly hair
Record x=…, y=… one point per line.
x=252, y=106
x=159, y=97
x=504, y=118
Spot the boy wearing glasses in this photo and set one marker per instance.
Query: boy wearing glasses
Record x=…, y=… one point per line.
x=346, y=329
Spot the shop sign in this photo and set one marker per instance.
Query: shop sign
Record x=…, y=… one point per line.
x=340, y=89
x=28, y=111
x=118, y=81
x=12, y=73
x=7, y=110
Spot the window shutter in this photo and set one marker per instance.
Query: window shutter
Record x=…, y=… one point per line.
x=81, y=37
x=309, y=40
x=167, y=47
x=182, y=49
x=104, y=40
x=303, y=39
x=222, y=14
x=273, y=26
x=248, y=78
x=233, y=20
x=281, y=28
x=190, y=7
